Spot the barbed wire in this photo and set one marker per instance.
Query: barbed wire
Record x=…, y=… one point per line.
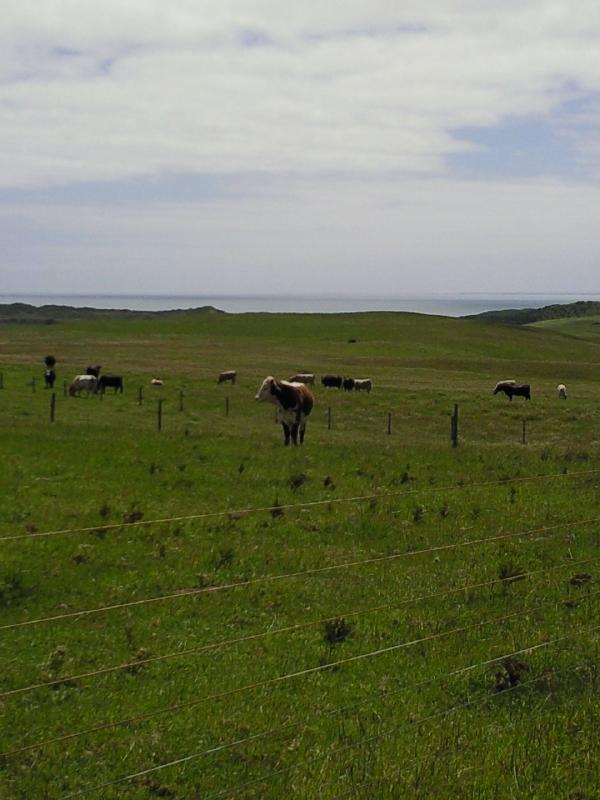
x=103, y=528
x=282, y=678
x=138, y=663
x=181, y=593
x=340, y=709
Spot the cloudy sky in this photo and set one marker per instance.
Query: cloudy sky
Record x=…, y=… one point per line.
x=251, y=146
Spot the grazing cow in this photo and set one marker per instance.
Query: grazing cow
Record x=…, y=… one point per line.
x=333, y=381
x=156, y=382
x=230, y=375
x=294, y=401
x=363, y=384
x=307, y=378
x=114, y=381
x=85, y=383
x=510, y=389
x=49, y=378
x=348, y=384
x=95, y=371
x=562, y=391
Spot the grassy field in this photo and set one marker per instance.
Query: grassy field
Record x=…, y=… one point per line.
x=325, y=646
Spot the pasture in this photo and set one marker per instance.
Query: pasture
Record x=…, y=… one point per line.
x=370, y=615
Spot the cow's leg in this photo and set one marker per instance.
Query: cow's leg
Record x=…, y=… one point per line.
x=295, y=427
x=286, y=433
x=302, y=430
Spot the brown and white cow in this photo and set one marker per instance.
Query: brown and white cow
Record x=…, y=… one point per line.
x=363, y=384
x=303, y=377
x=294, y=402
x=229, y=375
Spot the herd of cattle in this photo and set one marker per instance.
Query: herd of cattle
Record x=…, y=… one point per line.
x=293, y=398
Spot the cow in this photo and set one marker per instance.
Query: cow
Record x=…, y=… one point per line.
x=49, y=378
x=229, y=375
x=114, y=381
x=307, y=378
x=50, y=362
x=348, y=384
x=332, y=381
x=95, y=370
x=363, y=384
x=512, y=389
x=294, y=401
x=156, y=382
x=562, y=391
x=86, y=383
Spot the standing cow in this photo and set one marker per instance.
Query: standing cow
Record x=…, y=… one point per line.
x=83, y=383
x=348, y=384
x=113, y=381
x=332, y=381
x=294, y=401
x=307, y=378
x=49, y=378
x=511, y=389
x=230, y=375
x=562, y=391
x=363, y=384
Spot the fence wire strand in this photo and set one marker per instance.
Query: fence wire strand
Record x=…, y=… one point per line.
x=290, y=628
x=286, y=677
x=181, y=593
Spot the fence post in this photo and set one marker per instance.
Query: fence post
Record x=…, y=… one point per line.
x=33, y=385
x=227, y=406
x=524, y=439
x=159, y=420
x=329, y=418
x=181, y=399
x=52, y=407
x=1, y=380
x=454, y=426
x=389, y=422
x=140, y=395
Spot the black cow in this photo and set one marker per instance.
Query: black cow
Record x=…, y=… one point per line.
x=50, y=362
x=333, y=381
x=348, y=384
x=106, y=381
x=95, y=371
x=49, y=378
x=511, y=389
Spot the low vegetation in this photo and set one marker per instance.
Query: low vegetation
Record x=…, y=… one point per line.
x=400, y=619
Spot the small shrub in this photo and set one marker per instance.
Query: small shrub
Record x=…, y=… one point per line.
x=12, y=590
x=444, y=511
x=224, y=557
x=580, y=579
x=132, y=516
x=418, y=514
x=509, y=573
x=297, y=480
x=104, y=511
x=510, y=673
x=336, y=631
x=328, y=482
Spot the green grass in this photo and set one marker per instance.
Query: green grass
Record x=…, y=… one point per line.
x=360, y=729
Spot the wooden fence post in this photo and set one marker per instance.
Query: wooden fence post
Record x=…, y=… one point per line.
x=524, y=438
x=389, y=422
x=454, y=426
x=329, y=418
x=159, y=416
x=65, y=388
x=52, y=407
x=227, y=406
x=33, y=385
x=181, y=399
x=1, y=380
x=140, y=395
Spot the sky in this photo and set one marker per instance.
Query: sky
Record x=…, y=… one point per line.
x=263, y=146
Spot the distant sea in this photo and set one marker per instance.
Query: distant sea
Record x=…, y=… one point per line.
x=451, y=305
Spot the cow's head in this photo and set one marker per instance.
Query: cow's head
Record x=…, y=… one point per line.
x=265, y=393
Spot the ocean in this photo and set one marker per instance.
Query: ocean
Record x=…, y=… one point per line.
x=451, y=305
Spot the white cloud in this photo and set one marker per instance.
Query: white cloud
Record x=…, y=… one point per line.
x=96, y=91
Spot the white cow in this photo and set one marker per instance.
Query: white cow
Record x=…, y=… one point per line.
x=363, y=384
x=307, y=378
x=85, y=383
x=562, y=391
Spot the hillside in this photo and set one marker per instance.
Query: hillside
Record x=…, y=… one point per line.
x=23, y=313
x=525, y=316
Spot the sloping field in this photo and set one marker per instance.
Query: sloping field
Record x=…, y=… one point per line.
x=202, y=613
